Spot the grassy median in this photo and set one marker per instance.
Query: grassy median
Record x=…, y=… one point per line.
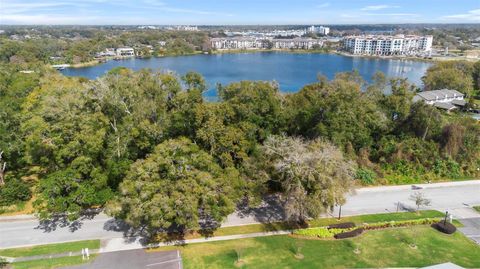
x=278, y=226
x=50, y=249
x=52, y=263
x=382, y=248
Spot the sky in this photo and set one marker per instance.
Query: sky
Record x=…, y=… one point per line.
x=244, y=12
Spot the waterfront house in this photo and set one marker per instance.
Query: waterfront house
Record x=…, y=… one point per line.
x=444, y=99
x=126, y=52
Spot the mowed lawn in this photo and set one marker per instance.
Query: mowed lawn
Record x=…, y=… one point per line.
x=381, y=248
x=50, y=248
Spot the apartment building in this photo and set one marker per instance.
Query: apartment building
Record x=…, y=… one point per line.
x=256, y=43
x=318, y=30
x=388, y=45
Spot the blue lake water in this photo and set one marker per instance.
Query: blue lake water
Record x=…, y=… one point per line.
x=292, y=71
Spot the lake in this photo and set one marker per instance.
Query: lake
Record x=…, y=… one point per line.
x=291, y=70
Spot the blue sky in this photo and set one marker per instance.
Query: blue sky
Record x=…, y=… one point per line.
x=238, y=11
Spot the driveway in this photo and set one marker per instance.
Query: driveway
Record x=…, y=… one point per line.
x=135, y=259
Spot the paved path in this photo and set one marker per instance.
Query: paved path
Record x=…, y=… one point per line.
x=454, y=197
x=116, y=244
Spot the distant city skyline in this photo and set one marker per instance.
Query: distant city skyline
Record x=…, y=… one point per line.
x=237, y=12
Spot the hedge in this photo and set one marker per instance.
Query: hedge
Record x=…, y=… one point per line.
x=403, y=223
x=345, y=225
x=346, y=230
x=445, y=227
x=320, y=232
x=349, y=234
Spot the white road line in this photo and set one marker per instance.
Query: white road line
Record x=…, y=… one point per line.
x=158, y=263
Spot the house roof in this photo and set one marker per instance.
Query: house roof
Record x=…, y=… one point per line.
x=446, y=106
x=439, y=94
x=459, y=102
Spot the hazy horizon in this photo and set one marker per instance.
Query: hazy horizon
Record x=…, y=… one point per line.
x=237, y=12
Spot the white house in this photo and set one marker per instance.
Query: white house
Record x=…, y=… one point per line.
x=125, y=52
x=444, y=99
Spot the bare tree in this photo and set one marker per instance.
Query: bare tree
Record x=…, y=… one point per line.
x=3, y=167
x=314, y=175
x=419, y=199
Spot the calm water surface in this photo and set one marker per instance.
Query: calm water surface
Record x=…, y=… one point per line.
x=291, y=71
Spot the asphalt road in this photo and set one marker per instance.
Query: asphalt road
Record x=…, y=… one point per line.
x=450, y=196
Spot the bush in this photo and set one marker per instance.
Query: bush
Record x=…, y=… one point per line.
x=320, y=232
x=366, y=176
x=445, y=227
x=349, y=234
x=404, y=223
x=14, y=191
x=344, y=225
x=3, y=262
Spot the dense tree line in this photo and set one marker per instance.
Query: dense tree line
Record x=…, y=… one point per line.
x=56, y=46
x=148, y=146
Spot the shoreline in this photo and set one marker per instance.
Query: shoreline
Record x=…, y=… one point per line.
x=296, y=51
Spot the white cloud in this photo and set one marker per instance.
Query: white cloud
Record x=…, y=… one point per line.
x=324, y=5
x=377, y=7
x=472, y=15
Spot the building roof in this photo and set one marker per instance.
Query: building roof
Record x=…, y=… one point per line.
x=439, y=94
x=446, y=106
x=459, y=102
x=447, y=265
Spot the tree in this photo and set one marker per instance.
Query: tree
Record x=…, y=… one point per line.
x=3, y=166
x=454, y=75
x=337, y=110
x=65, y=138
x=424, y=120
x=420, y=200
x=178, y=186
x=314, y=175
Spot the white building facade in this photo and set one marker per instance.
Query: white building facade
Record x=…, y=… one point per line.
x=250, y=43
x=388, y=45
x=318, y=30
x=126, y=52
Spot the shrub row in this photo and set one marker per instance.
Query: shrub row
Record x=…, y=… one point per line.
x=346, y=230
x=403, y=223
x=349, y=234
x=320, y=232
x=345, y=225
x=445, y=227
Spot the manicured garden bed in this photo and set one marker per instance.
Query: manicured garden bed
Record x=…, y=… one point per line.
x=377, y=248
x=321, y=222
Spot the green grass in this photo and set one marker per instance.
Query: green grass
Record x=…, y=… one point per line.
x=50, y=249
x=52, y=263
x=477, y=208
x=379, y=249
x=257, y=228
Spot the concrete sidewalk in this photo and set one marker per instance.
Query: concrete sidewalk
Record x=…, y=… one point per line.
x=120, y=244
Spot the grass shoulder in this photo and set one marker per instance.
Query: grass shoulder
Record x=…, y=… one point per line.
x=320, y=222
x=377, y=249
x=52, y=263
x=50, y=249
